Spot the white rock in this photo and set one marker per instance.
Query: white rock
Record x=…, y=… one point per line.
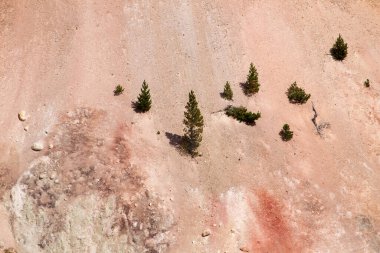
x=22, y=115
x=26, y=129
x=38, y=146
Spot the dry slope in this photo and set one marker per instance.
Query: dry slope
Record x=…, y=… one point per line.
x=107, y=182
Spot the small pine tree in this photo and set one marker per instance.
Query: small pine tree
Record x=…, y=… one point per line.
x=118, y=90
x=227, y=92
x=285, y=133
x=193, y=126
x=242, y=114
x=297, y=95
x=252, y=85
x=144, y=101
x=339, y=50
x=366, y=83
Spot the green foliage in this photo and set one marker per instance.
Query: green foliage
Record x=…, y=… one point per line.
x=118, y=90
x=285, y=133
x=252, y=85
x=227, y=92
x=242, y=114
x=193, y=122
x=366, y=83
x=339, y=50
x=297, y=95
x=144, y=101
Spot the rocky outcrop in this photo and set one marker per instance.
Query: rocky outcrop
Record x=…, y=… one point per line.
x=64, y=203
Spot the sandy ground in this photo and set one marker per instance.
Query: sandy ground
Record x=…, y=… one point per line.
x=60, y=61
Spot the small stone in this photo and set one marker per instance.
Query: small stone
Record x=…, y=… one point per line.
x=244, y=249
x=53, y=175
x=206, y=233
x=22, y=116
x=51, y=146
x=26, y=129
x=38, y=146
x=56, y=181
x=214, y=225
x=42, y=176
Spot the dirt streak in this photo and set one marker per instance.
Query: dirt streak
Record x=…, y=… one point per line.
x=277, y=235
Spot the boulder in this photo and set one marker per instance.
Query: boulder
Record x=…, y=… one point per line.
x=38, y=146
x=206, y=233
x=244, y=249
x=22, y=115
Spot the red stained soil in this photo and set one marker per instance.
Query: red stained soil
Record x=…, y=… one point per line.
x=277, y=235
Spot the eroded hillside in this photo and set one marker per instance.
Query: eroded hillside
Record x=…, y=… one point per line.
x=109, y=179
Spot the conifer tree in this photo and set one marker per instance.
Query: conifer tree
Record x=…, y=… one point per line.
x=193, y=126
x=118, y=90
x=339, y=50
x=285, y=133
x=297, y=95
x=227, y=92
x=252, y=85
x=242, y=114
x=144, y=101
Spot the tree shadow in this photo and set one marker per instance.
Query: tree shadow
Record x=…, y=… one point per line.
x=248, y=123
x=224, y=97
x=176, y=141
x=243, y=86
x=135, y=107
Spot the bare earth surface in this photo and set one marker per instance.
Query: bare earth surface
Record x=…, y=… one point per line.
x=106, y=181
